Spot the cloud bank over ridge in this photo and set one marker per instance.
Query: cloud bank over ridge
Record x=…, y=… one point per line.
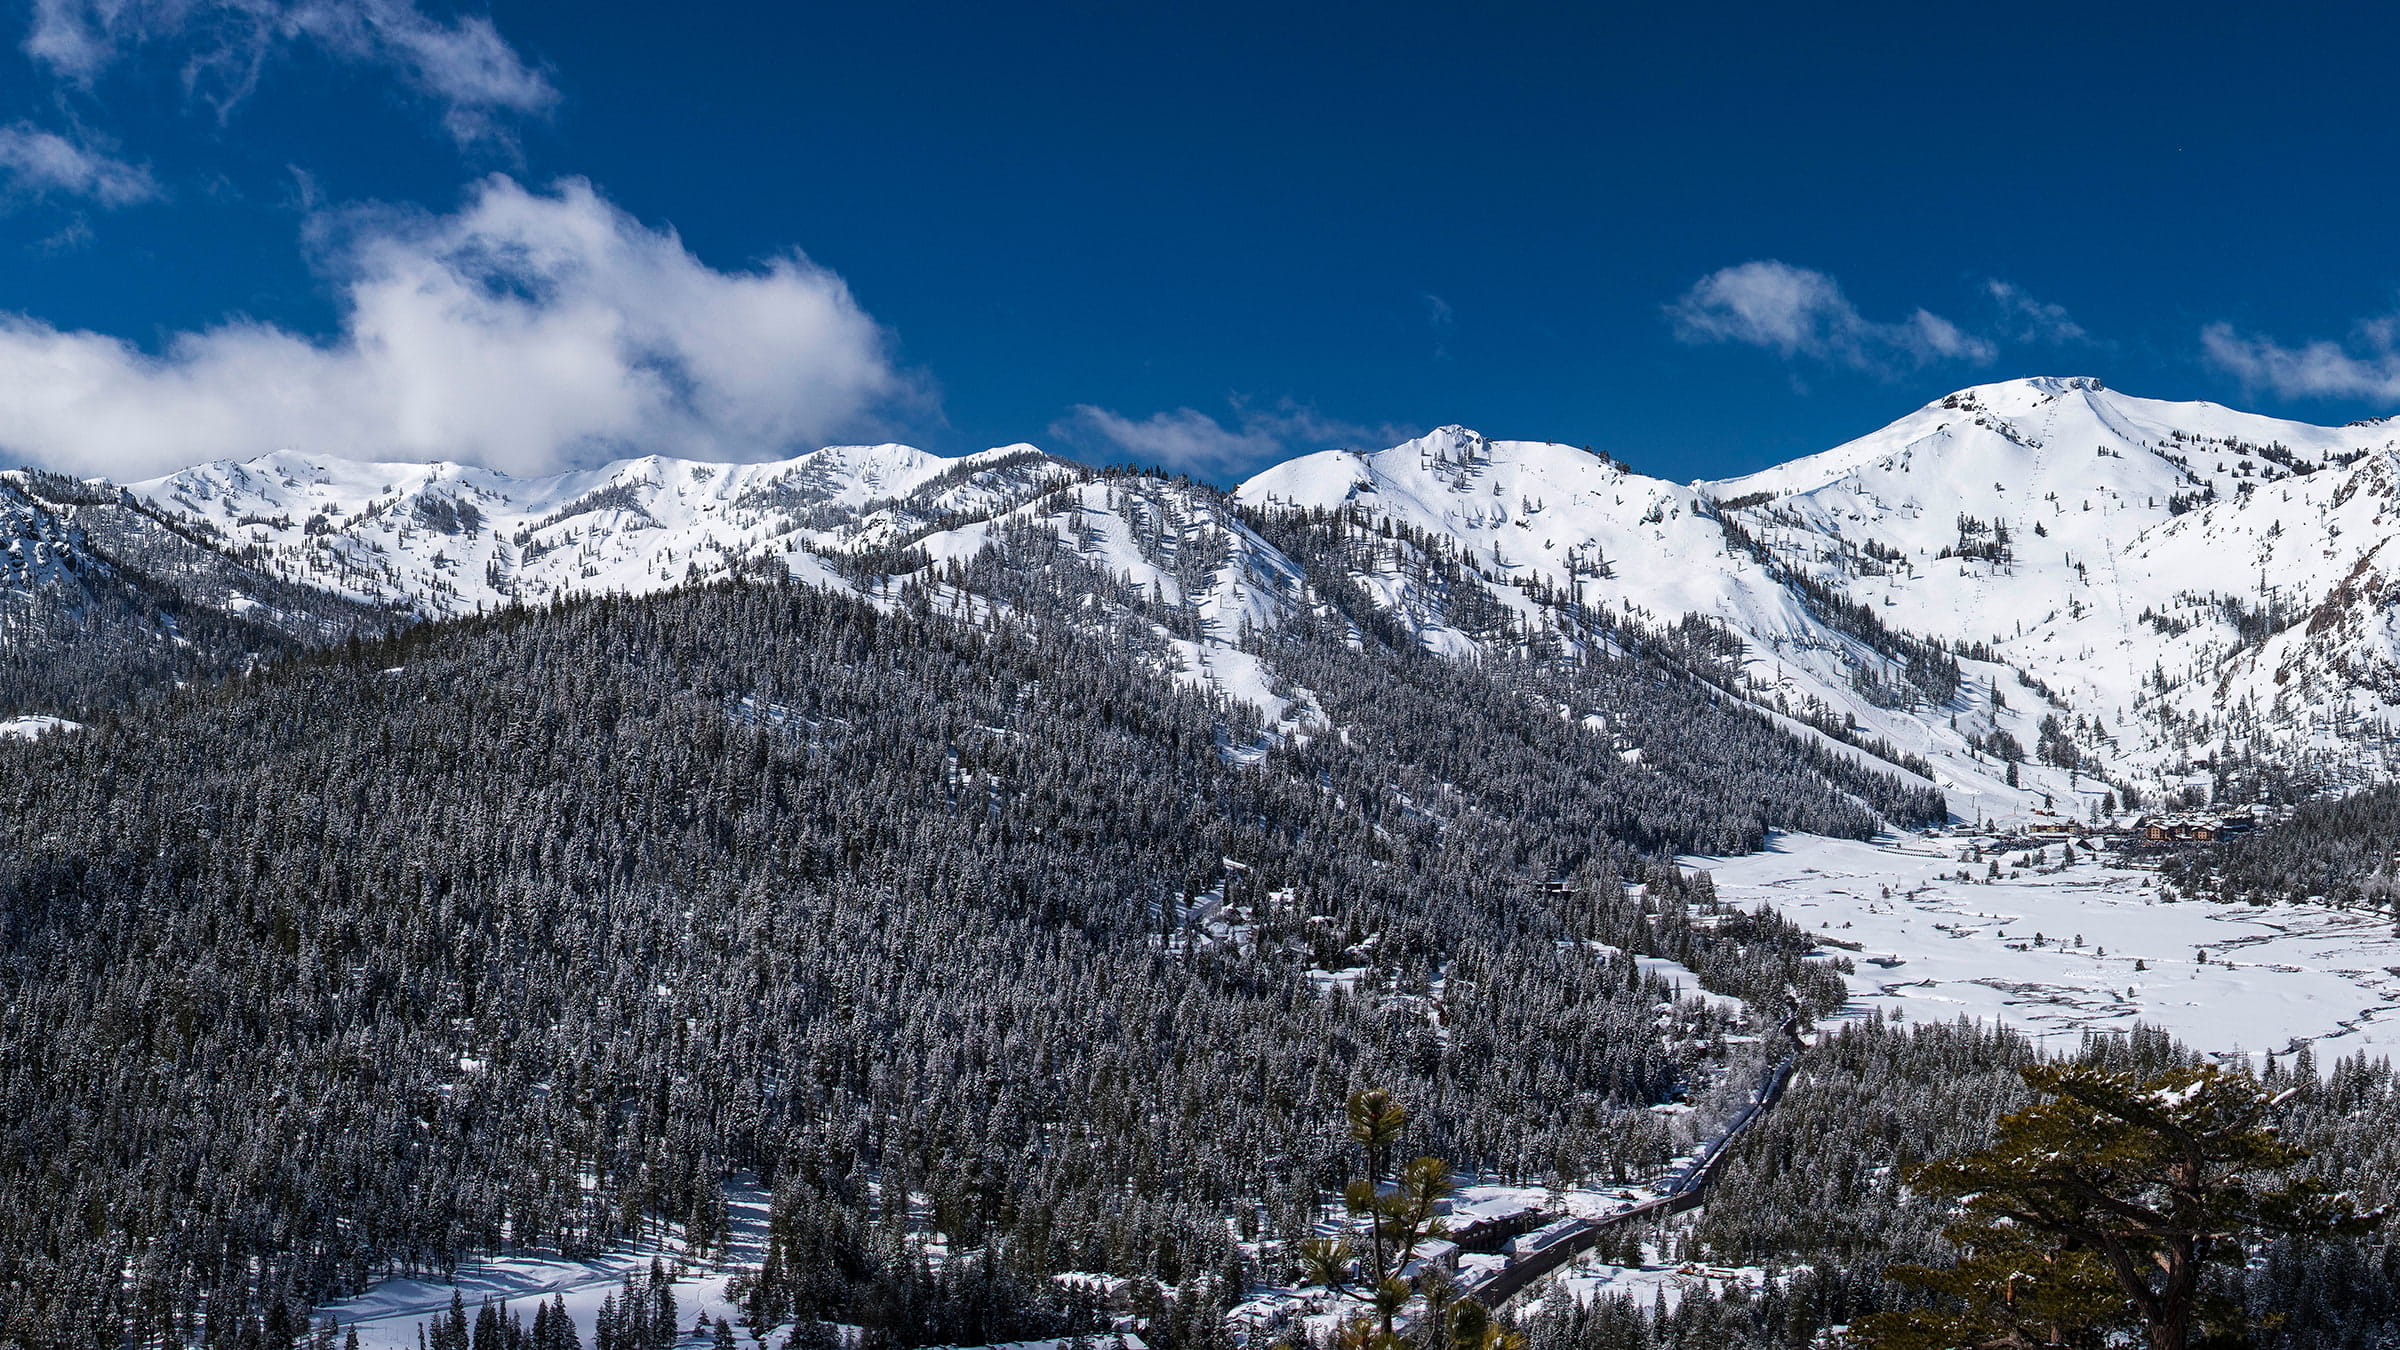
x=528, y=331
x=2368, y=367
x=1190, y=440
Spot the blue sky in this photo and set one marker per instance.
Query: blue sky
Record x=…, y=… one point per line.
x=540, y=235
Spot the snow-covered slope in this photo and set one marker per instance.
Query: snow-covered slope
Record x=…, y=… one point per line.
x=2154, y=568
x=1575, y=547
x=101, y=596
x=2177, y=584
x=2035, y=589
x=1532, y=512
x=445, y=538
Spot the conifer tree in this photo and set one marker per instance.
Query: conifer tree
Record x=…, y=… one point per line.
x=2103, y=1207
x=1393, y=1222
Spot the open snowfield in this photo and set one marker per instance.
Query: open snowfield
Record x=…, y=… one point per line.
x=2224, y=978
x=33, y=726
x=387, y=1316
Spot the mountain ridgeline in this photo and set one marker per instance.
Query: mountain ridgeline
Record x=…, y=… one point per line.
x=103, y=597
x=2040, y=592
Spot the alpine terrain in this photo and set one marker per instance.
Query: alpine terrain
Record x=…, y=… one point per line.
x=874, y=899
x=2035, y=591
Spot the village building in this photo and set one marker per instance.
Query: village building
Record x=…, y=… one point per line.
x=1430, y=1255
x=2205, y=827
x=1529, y=1243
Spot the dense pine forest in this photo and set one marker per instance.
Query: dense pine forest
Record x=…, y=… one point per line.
x=2337, y=851
x=529, y=928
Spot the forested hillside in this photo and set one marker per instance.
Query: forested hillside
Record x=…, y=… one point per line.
x=104, y=599
x=527, y=928
x=1000, y=848
x=2342, y=850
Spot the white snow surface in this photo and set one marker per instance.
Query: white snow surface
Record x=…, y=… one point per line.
x=445, y=538
x=2273, y=977
x=34, y=726
x=2087, y=482
x=388, y=1315
x=1649, y=1285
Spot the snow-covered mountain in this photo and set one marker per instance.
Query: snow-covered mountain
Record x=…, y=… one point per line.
x=2178, y=580
x=2038, y=588
x=440, y=539
x=102, y=596
x=2178, y=585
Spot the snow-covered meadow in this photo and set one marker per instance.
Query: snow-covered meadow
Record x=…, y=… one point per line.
x=2093, y=946
x=34, y=726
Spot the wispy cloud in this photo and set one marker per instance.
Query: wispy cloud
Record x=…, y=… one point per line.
x=2368, y=366
x=1194, y=442
x=1799, y=312
x=462, y=64
x=1443, y=320
x=527, y=331
x=2032, y=321
x=41, y=163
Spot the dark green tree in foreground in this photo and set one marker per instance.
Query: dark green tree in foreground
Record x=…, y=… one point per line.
x=2097, y=1212
x=1391, y=1220
x=1395, y=1208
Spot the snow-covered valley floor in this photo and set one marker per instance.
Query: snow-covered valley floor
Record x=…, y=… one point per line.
x=2092, y=946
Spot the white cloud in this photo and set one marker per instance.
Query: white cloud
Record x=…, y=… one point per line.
x=1797, y=312
x=528, y=331
x=464, y=64
x=2032, y=320
x=44, y=164
x=1440, y=317
x=2319, y=369
x=1192, y=441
